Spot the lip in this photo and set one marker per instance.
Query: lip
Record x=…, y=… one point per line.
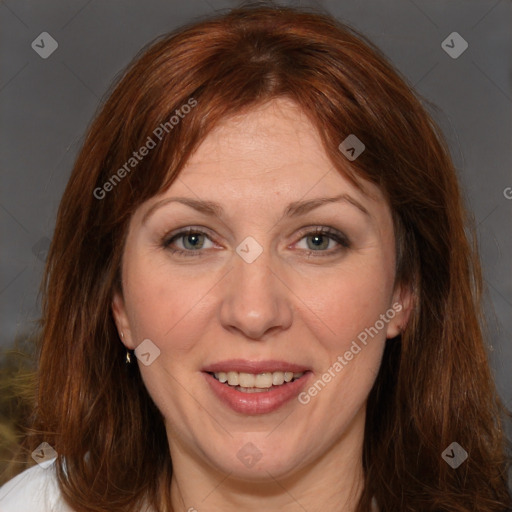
x=260, y=402
x=243, y=365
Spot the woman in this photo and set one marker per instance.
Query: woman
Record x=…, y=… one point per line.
x=260, y=293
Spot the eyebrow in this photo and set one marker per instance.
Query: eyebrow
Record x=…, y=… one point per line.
x=294, y=209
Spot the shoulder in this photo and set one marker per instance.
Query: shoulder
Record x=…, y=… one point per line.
x=34, y=489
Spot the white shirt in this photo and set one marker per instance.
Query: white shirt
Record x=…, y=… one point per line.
x=34, y=490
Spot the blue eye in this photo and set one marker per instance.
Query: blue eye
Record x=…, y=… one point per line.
x=321, y=239
x=194, y=239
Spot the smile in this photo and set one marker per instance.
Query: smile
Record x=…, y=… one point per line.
x=255, y=388
x=256, y=383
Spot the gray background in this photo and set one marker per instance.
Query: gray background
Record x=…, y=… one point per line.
x=47, y=104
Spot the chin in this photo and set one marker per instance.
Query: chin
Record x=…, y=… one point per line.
x=257, y=459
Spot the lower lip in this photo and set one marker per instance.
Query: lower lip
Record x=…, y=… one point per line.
x=259, y=402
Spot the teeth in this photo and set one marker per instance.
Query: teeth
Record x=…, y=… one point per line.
x=260, y=381
x=247, y=380
x=278, y=378
x=232, y=378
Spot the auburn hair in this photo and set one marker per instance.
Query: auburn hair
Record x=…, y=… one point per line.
x=434, y=386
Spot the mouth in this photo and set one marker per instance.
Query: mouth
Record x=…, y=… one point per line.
x=256, y=387
x=256, y=383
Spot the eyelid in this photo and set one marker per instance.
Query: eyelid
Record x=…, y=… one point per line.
x=344, y=243
x=323, y=230
x=181, y=233
x=339, y=237
x=185, y=231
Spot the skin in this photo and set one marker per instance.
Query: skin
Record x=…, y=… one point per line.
x=287, y=305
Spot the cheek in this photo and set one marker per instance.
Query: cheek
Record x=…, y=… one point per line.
x=166, y=306
x=342, y=305
x=346, y=320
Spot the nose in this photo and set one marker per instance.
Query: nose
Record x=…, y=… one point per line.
x=255, y=299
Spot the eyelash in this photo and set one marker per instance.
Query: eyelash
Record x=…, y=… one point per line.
x=331, y=233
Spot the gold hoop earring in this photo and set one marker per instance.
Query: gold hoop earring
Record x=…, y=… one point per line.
x=128, y=358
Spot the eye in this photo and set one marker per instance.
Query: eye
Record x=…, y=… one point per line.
x=319, y=241
x=192, y=241
x=322, y=239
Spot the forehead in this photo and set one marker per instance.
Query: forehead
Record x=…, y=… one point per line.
x=271, y=150
x=275, y=135
x=274, y=144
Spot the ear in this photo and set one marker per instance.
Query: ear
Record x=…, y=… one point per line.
x=121, y=320
x=403, y=304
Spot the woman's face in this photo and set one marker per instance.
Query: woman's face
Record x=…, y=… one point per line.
x=255, y=289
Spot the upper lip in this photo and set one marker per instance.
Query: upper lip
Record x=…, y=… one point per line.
x=246, y=366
